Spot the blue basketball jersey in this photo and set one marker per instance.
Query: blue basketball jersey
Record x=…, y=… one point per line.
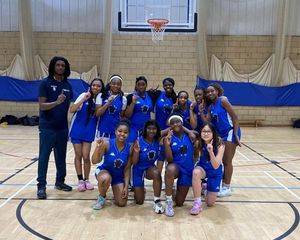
x=149, y=153
x=205, y=163
x=163, y=109
x=182, y=150
x=82, y=126
x=221, y=118
x=141, y=112
x=199, y=119
x=111, y=117
x=186, y=116
x=115, y=160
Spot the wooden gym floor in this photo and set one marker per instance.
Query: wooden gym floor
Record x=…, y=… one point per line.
x=265, y=203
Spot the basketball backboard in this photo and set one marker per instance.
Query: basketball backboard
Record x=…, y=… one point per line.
x=181, y=14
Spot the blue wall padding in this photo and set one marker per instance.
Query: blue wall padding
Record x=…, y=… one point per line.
x=12, y=89
x=250, y=94
x=242, y=94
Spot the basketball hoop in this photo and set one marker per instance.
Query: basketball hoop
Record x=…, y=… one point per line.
x=158, y=28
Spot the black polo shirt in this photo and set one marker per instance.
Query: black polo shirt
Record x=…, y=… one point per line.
x=57, y=117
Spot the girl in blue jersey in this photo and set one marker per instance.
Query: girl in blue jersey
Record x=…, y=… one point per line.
x=82, y=131
x=114, y=170
x=146, y=155
x=164, y=101
x=140, y=106
x=222, y=115
x=198, y=109
x=113, y=105
x=179, y=154
x=183, y=106
x=209, y=166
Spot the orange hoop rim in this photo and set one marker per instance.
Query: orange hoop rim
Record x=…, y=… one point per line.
x=157, y=23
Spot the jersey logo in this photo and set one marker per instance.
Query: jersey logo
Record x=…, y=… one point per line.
x=187, y=120
x=215, y=117
x=167, y=109
x=183, y=149
x=112, y=109
x=112, y=154
x=151, y=155
x=53, y=87
x=145, y=108
x=118, y=163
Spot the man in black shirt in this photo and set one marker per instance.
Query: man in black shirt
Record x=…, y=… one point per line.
x=55, y=93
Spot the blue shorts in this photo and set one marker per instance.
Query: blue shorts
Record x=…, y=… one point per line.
x=78, y=141
x=229, y=136
x=137, y=177
x=115, y=179
x=213, y=183
x=184, y=178
x=161, y=156
x=213, y=177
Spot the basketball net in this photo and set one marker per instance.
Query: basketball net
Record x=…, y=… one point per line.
x=158, y=26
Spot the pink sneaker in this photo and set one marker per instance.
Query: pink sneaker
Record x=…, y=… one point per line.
x=88, y=185
x=197, y=208
x=81, y=186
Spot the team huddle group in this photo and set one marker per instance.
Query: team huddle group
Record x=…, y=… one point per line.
x=194, y=140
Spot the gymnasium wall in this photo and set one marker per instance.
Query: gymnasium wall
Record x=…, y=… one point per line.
x=134, y=55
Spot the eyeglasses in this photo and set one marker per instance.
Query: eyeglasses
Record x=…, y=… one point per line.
x=206, y=132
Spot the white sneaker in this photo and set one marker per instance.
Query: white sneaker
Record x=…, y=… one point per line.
x=99, y=203
x=157, y=207
x=224, y=192
x=169, y=210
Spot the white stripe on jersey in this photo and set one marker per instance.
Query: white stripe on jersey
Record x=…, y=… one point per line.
x=229, y=120
x=72, y=122
x=230, y=136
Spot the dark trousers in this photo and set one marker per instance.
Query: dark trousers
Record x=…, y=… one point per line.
x=56, y=140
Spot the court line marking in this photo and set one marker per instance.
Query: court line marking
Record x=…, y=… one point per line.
x=256, y=171
x=271, y=141
x=32, y=231
x=69, y=151
x=26, y=167
x=272, y=162
x=146, y=185
x=294, y=226
x=24, y=225
x=16, y=193
x=29, y=174
x=34, y=160
x=74, y=174
x=274, y=179
x=244, y=156
x=151, y=200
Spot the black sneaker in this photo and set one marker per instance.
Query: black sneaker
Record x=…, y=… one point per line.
x=41, y=193
x=63, y=187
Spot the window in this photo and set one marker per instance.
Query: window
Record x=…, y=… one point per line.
x=181, y=14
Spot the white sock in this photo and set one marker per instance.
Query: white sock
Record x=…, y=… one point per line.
x=169, y=197
x=197, y=199
x=226, y=185
x=156, y=198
